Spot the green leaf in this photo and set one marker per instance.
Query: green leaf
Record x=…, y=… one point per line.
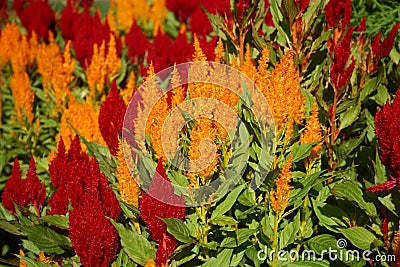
x=59, y=221
x=359, y=237
x=227, y=204
x=138, y=248
x=178, y=229
x=350, y=190
x=307, y=183
x=47, y=240
x=301, y=151
x=11, y=228
x=242, y=236
x=32, y=263
x=224, y=221
x=388, y=203
x=349, y=117
x=369, y=87
x=223, y=259
x=330, y=216
x=382, y=95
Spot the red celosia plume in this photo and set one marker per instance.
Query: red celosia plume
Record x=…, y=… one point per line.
x=338, y=12
x=111, y=118
x=36, y=16
x=80, y=183
x=339, y=73
x=84, y=31
x=152, y=209
x=387, y=128
x=23, y=192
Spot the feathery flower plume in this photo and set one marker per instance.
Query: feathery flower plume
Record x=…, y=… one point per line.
x=312, y=133
x=151, y=210
x=338, y=12
x=80, y=183
x=23, y=192
x=23, y=95
x=84, y=118
x=103, y=67
x=281, y=89
x=340, y=74
x=36, y=17
x=387, y=130
x=128, y=187
x=381, y=49
x=56, y=69
x=123, y=13
x=111, y=118
x=280, y=197
x=130, y=89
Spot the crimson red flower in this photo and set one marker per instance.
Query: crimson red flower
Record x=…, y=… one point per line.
x=302, y=5
x=3, y=9
x=84, y=31
x=387, y=129
x=338, y=11
x=36, y=16
x=382, y=49
x=182, y=9
x=111, y=118
x=23, y=192
x=339, y=73
x=80, y=183
x=93, y=237
x=152, y=209
x=137, y=44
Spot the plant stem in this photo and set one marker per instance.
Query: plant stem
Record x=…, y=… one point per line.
x=333, y=136
x=275, y=238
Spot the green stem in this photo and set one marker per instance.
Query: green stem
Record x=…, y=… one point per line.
x=275, y=240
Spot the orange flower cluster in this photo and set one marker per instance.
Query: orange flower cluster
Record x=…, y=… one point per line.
x=128, y=187
x=15, y=48
x=312, y=133
x=280, y=198
x=123, y=13
x=56, y=68
x=23, y=95
x=103, y=68
x=84, y=118
x=280, y=87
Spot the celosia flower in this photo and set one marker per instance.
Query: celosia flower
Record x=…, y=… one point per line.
x=93, y=237
x=103, y=67
x=137, y=44
x=387, y=129
x=80, y=183
x=280, y=198
x=23, y=95
x=396, y=247
x=83, y=117
x=3, y=10
x=382, y=49
x=84, y=31
x=338, y=11
x=111, y=118
x=36, y=17
x=123, y=13
x=281, y=89
x=48, y=260
x=23, y=192
x=312, y=133
x=340, y=73
x=151, y=210
x=56, y=69
x=302, y=5
x=128, y=187
x=183, y=9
